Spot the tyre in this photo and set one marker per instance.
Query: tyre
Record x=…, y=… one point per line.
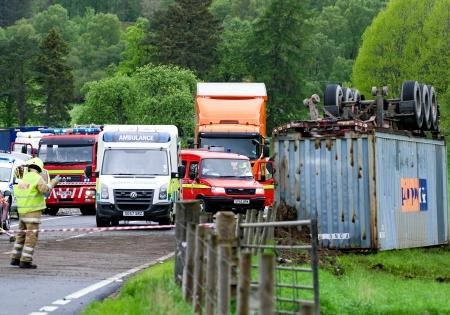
x=87, y=210
x=333, y=99
x=102, y=222
x=426, y=107
x=411, y=92
x=115, y=222
x=347, y=95
x=52, y=210
x=433, y=108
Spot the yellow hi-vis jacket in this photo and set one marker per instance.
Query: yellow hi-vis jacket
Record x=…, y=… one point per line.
x=27, y=194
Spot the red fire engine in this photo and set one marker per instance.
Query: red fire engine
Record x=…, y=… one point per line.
x=67, y=152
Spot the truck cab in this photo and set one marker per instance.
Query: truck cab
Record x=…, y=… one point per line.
x=137, y=173
x=221, y=181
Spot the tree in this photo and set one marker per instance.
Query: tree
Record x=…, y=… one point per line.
x=275, y=54
x=55, y=17
x=185, y=35
x=19, y=50
x=56, y=79
x=13, y=10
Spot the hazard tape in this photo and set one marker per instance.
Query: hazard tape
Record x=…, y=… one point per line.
x=99, y=229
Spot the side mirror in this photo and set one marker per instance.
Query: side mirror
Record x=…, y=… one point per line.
x=96, y=174
x=181, y=171
x=7, y=193
x=190, y=143
x=88, y=171
x=266, y=151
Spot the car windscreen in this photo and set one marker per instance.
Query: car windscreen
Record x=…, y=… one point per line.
x=65, y=154
x=244, y=146
x=135, y=162
x=226, y=168
x=5, y=174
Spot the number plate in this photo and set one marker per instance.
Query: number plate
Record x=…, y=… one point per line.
x=242, y=201
x=133, y=213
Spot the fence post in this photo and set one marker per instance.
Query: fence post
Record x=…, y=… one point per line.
x=251, y=231
x=185, y=211
x=225, y=225
x=211, y=274
x=266, y=287
x=258, y=231
x=245, y=266
x=199, y=276
x=188, y=270
x=315, y=263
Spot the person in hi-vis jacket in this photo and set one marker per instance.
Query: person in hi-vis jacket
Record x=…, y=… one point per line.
x=30, y=198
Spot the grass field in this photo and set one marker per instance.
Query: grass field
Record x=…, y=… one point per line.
x=413, y=281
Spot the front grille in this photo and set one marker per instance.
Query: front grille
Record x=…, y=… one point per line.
x=70, y=178
x=130, y=199
x=240, y=191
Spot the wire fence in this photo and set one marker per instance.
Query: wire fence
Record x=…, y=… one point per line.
x=246, y=264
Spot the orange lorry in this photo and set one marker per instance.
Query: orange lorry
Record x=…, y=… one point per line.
x=233, y=116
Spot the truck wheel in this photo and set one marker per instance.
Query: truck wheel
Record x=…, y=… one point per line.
x=102, y=222
x=426, y=107
x=333, y=99
x=411, y=92
x=52, y=210
x=433, y=109
x=87, y=210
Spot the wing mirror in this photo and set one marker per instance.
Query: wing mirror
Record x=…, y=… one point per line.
x=88, y=171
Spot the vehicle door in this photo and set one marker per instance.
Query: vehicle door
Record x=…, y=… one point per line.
x=189, y=179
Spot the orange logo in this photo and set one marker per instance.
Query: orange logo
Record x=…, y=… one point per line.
x=414, y=194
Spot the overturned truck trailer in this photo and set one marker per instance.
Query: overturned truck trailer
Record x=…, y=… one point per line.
x=370, y=187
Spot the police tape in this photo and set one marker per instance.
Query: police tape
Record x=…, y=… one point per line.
x=99, y=229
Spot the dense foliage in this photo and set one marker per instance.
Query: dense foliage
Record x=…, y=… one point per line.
x=294, y=47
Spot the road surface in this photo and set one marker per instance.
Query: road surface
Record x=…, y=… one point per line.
x=75, y=268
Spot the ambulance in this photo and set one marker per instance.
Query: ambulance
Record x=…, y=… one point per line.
x=137, y=173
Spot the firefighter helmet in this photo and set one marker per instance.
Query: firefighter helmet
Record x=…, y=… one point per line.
x=35, y=163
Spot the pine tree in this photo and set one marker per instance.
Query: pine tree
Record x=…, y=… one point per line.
x=56, y=79
x=186, y=35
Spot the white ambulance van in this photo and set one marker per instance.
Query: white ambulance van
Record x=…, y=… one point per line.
x=137, y=173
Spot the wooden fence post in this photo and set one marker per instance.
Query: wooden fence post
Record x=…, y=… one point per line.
x=245, y=269
x=188, y=270
x=199, y=275
x=225, y=225
x=251, y=231
x=266, y=287
x=211, y=275
x=258, y=231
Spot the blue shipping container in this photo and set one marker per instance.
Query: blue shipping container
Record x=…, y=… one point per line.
x=369, y=190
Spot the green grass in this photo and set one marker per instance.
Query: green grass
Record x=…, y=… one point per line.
x=412, y=281
x=415, y=281
x=150, y=292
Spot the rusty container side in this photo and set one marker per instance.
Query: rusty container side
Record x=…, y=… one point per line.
x=412, y=191
x=354, y=185
x=330, y=177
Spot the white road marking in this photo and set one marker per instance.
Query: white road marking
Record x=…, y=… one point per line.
x=48, y=308
x=61, y=302
x=103, y=283
x=117, y=277
x=75, y=236
x=7, y=253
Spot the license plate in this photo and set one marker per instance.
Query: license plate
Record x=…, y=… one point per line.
x=133, y=213
x=242, y=201
x=63, y=194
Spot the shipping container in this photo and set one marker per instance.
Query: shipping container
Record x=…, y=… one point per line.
x=370, y=190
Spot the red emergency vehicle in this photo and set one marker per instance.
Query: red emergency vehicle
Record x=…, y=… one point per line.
x=67, y=152
x=221, y=181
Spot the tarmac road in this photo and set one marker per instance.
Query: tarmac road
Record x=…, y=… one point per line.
x=75, y=268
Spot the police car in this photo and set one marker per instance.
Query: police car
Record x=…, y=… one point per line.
x=8, y=165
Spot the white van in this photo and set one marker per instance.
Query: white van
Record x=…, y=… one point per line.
x=137, y=173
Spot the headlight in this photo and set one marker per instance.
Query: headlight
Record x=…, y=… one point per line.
x=259, y=191
x=104, y=192
x=218, y=190
x=89, y=193
x=163, y=192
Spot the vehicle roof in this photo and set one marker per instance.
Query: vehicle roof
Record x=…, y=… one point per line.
x=16, y=155
x=203, y=154
x=68, y=139
x=231, y=89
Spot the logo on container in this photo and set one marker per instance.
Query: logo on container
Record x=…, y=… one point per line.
x=414, y=194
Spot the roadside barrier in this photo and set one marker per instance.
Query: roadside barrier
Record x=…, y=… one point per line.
x=97, y=229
